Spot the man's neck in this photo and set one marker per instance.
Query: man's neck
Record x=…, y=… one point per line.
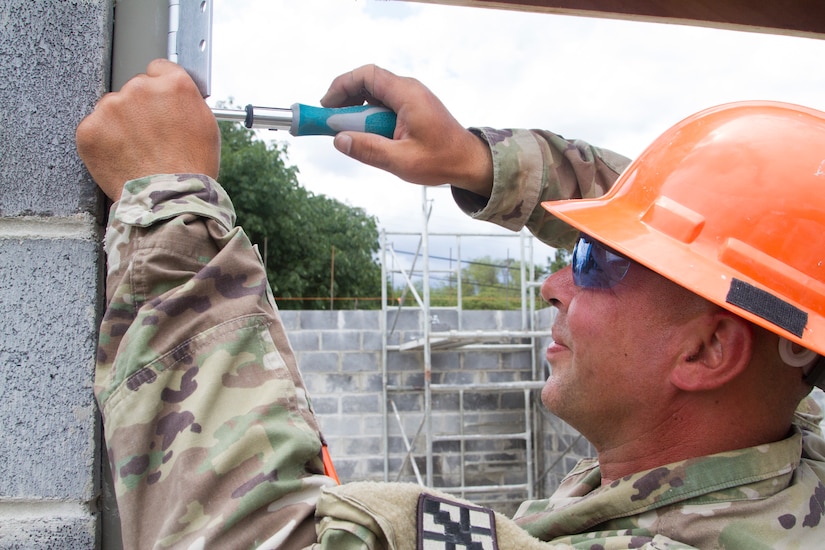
x=680, y=438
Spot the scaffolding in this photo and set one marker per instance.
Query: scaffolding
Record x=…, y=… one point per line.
x=434, y=339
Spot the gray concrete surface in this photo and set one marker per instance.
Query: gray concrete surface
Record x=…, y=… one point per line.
x=54, y=59
x=54, y=62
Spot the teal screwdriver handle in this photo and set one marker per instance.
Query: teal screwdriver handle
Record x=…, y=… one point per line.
x=318, y=121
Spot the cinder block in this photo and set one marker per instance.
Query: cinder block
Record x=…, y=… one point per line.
x=397, y=445
x=373, y=424
x=505, y=376
x=375, y=467
x=415, y=379
x=325, y=405
x=512, y=400
x=370, y=446
x=360, y=319
x=475, y=401
x=395, y=339
x=309, y=362
x=304, y=340
x=404, y=361
x=338, y=426
x=339, y=383
x=372, y=383
x=479, y=360
x=510, y=320
x=346, y=340
x=319, y=320
x=48, y=297
x=47, y=532
x=404, y=319
x=444, y=319
x=315, y=384
x=360, y=362
x=516, y=360
x=479, y=320
x=395, y=378
x=446, y=423
x=446, y=449
x=353, y=404
x=459, y=377
x=54, y=67
x=291, y=320
x=445, y=402
x=410, y=335
x=446, y=360
x=371, y=340
x=407, y=401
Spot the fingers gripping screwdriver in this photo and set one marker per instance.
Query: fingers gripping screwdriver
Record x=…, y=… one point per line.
x=304, y=120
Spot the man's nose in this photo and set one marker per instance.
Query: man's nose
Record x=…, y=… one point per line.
x=558, y=288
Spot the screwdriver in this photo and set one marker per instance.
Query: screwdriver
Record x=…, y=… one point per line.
x=305, y=120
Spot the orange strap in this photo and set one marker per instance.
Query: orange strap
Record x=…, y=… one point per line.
x=329, y=468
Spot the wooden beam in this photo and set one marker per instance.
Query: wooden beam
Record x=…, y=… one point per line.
x=791, y=17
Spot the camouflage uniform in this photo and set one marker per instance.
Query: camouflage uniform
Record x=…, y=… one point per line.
x=763, y=497
x=530, y=167
x=210, y=433
x=213, y=442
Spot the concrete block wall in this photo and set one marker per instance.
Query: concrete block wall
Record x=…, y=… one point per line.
x=53, y=67
x=339, y=354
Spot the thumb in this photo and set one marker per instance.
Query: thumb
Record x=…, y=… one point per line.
x=343, y=142
x=370, y=149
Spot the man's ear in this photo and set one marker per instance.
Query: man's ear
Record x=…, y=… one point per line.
x=719, y=350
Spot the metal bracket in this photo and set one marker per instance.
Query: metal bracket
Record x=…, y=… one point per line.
x=190, y=40
x=180, y=30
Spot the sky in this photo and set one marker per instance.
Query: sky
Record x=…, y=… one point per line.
x=616, y=84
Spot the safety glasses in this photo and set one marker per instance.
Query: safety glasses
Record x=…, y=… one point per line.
x=596, y=266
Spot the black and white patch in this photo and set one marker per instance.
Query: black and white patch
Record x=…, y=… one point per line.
x=448, y=525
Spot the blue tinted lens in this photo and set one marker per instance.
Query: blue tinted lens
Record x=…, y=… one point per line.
x=596, y=266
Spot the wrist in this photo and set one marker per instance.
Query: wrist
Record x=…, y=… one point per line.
x=477, y=171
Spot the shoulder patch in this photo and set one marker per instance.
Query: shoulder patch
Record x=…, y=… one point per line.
x=447, y=525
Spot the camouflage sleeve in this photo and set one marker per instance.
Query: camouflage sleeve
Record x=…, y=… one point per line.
x=211, y=438
x=531, y=166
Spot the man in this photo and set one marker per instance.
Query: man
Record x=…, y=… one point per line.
x=687, y=333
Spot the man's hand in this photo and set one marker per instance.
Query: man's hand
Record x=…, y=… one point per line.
x=429, y=147
x=158, y=123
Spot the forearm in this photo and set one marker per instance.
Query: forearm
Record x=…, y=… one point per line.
x=208, y=426
x=530, y=167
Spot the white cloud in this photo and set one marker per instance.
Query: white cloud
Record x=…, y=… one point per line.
x=617, y=84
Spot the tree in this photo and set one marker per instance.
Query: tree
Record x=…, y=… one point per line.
x=561, y=259
x=309, y=242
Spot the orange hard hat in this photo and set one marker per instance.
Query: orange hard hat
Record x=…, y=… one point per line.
x=730, y=204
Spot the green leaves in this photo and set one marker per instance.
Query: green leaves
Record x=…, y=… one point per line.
x=309, y=242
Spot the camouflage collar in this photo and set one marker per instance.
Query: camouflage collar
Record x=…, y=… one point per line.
x=581, y=505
